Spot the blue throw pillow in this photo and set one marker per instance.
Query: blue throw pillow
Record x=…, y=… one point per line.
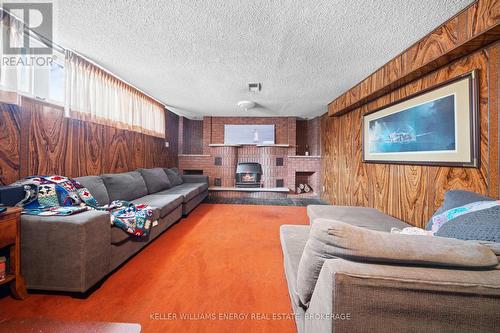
x=479, y=225
x=457, y=198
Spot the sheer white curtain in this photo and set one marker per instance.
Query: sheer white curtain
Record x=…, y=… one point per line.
x=94, y=95
x=10, y=75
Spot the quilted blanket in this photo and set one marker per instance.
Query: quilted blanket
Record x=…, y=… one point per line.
x=59, y=195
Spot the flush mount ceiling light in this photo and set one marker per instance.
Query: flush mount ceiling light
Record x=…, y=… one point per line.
x=246, y=105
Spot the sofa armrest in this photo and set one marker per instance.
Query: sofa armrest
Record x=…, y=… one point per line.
x=381, y=298
x=195, y=179
x=65, y=253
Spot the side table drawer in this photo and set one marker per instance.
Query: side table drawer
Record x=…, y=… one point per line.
x=7, y=232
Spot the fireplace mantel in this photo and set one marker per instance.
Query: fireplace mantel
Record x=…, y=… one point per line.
x=249, y=189
x=305, y=156
x=279, y=145
x=223, y=145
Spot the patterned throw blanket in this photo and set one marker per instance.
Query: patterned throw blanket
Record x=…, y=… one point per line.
x=59, y=196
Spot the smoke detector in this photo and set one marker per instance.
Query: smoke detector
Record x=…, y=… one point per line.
x=254, y=87
x=246, y=105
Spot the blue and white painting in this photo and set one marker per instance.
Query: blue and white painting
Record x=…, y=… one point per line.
x=428, y=127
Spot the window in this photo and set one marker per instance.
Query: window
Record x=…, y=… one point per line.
x=25, y=78
x=90, y=93
x=45, y=82
x=95, y=95
x=40, y=82
x=56, y=80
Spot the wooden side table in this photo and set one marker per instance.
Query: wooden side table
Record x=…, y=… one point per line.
x=10, y=236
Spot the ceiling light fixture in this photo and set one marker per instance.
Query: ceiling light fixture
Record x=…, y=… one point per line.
x=246, y=105
x=254, y=87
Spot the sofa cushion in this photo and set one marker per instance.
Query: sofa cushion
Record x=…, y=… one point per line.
x=125, y=186
x=365, y=217
x=95, y=184
x=156, y=179
x=334, y=239
x=369, y=245
x=202, y=187
x=454, y=199
x=187, y=190
x=293, y=240
x=174, y=176
x=164, y=203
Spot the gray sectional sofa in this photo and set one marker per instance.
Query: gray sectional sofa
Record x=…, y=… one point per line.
x=351, y=294
x=73, y=253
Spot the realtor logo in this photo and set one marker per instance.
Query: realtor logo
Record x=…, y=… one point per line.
x=36, y=16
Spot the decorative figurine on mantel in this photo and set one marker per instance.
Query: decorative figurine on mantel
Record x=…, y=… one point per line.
x=255, y=136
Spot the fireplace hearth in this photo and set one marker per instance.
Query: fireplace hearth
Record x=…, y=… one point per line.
x=248, y=174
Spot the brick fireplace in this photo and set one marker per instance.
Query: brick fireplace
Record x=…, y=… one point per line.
x=281, y=166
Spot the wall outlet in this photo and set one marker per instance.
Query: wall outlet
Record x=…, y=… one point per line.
x=323, y=188
x=167, y=144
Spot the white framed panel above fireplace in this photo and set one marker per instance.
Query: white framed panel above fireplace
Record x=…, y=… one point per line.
x=249, y=134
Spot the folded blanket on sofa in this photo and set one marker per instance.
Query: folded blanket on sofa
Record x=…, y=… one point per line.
x=59, y=195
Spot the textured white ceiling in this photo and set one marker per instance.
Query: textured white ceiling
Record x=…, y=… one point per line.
x=198, y=56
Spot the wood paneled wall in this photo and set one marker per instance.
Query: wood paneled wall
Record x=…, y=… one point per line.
x=472, y=29
x=192, y=136
x=10, y=124
x=172, y=136
x=36, y=138
x=408, y=192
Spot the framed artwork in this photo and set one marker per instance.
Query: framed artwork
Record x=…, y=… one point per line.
x=438, y=126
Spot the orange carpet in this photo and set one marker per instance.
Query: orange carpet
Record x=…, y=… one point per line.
x=218, y=270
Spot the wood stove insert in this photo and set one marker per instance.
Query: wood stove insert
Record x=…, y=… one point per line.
x=248, y=174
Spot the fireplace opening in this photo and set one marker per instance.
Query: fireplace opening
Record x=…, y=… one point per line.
x=248, y=175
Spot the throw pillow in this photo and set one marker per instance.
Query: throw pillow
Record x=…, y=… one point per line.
x=95, y=185
x=156, y=179
x=454, y=199
x=330, y=239
x=125, y=186
x=481, y=225
x=174, y=176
